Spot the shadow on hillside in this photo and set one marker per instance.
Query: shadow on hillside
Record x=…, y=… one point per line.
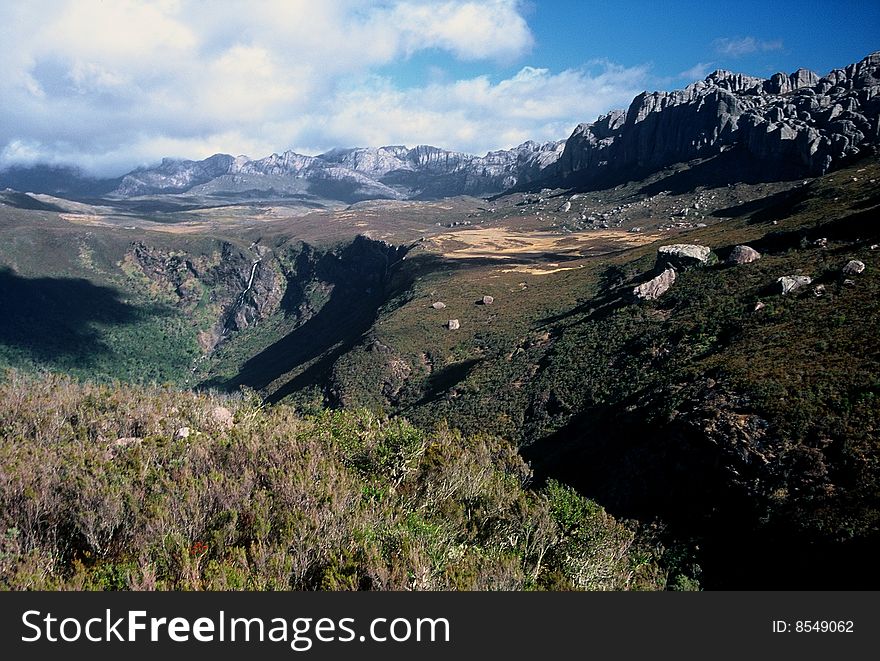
x=357, y=279
x=734, y=165
x=646, y=471
x=441, y=381
x=25, y=201
x=51, y=319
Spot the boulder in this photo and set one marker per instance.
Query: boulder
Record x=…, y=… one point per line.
x=683, y=255
x=453, y=324
x=487, y=300
x=439, y=305
x=655, y=287
x=223, y=417
x=788, y=284
x=183, y=432
x=743, y=255
x=853, y=267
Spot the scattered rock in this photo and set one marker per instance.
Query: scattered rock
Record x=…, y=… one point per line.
x=183, y=432
x=127, y=442
x=439, y=305
x=487, y=300
x=788, y=284
x=223, y=417
x=565, y=207
x=743, y=255
x=853, y=267
x=453, y=324
x=683, y=255
x=655, y=287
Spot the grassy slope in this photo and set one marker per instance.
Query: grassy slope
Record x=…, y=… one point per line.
x=590, y=380
x=74, y=308
x=98, y=490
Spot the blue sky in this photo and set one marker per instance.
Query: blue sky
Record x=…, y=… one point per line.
x=675, y=38
x=112, y=85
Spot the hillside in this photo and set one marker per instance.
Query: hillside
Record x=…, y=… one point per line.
x=674, y=316
x=753, y=422
x=124, y=488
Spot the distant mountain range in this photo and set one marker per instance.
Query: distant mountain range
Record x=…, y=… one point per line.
x=788, y=125
x=393, y=172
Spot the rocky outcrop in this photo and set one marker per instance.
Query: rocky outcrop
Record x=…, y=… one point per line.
x=789, y=284
x=797, y=120
x=743, y=255
x=683, y=255
x=853, y=267
x=655, y=287
x=239, y=286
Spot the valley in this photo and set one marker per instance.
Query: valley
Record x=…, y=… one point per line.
x=724, y=424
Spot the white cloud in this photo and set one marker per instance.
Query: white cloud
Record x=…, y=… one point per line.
x=111, y=85
x=697, y=72
x=470, y=30
x=740, y=46
x=477, y=115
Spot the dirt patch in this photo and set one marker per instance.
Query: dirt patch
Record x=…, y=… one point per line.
x=502, y=243
x=538, y=270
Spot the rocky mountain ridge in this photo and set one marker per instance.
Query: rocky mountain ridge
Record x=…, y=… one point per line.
x=794, y=123
x=788, y=126
x=394, y=172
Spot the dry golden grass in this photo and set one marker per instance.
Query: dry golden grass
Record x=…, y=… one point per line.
x=503, y=243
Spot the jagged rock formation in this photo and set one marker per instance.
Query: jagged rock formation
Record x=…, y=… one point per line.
x=393, y=172
x=797, y=120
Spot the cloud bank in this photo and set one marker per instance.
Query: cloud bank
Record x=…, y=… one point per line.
x=112, y=85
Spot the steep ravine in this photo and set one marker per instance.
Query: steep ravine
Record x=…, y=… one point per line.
x=305, y=306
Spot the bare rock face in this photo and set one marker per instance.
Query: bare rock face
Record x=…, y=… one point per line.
x=853, y=267
x=683, y=255
x=789, y=284
x=244, y=285
x=795, y=119
x=655, y=287
x=453, y=324
x=743, y=255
